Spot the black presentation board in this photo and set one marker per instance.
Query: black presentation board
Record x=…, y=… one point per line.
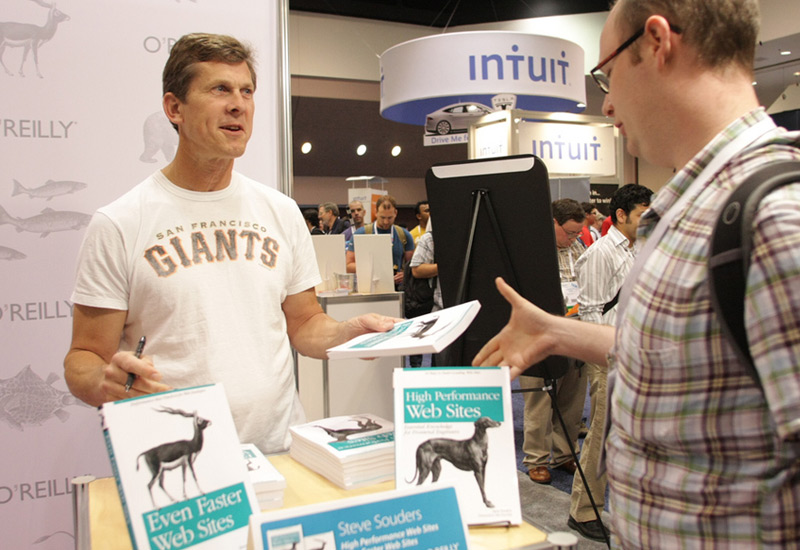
x=521, y=247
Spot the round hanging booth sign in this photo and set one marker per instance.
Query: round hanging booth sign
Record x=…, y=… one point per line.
x=538, y=73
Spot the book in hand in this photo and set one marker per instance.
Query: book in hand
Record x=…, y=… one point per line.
x=178, y=464
x=454, y=425
x=268, y=482
x=351, y=451
x=430, y=333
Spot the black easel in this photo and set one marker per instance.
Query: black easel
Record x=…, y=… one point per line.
x=482, y=197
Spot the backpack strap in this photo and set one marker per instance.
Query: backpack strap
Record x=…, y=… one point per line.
x=401, y=235
x=731, y=244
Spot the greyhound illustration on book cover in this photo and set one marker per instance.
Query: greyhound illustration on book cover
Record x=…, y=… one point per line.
x=454, y=426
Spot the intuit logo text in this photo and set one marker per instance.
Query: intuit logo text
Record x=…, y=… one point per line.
x=516, y=66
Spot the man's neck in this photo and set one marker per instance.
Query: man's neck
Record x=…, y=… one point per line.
x=631, y=239
x=198, y=175
x=706, y=106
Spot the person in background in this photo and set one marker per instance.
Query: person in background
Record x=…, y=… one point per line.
x=424, y=267
x=215, y=269
x=601, y=271
x=402, y=241
x=545, y=443
x=586, y=234
x=312, y=221
x=332, y=224
x=597, y=225
x=423, y=213
x=356, y=219
x=699, y=453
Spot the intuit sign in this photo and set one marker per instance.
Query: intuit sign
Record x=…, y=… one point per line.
x=570, y=148
x=420, y=76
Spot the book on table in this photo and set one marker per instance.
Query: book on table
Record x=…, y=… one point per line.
x=430, y=333
x=179, y=469
x=455, y=425
x=351, y=451
x=268, y=482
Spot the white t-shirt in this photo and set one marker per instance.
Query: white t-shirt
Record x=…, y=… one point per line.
x=203, y=276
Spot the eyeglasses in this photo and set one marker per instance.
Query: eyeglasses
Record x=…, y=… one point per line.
x=570, y=234
x=600, y=78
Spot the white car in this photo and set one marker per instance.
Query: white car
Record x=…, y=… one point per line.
x=454, y=118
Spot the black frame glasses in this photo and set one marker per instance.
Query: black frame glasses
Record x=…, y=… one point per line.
x=599, y=77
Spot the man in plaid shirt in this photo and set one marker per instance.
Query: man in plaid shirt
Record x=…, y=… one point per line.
x=697, y=455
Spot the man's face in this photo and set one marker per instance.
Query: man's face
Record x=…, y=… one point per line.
x=567, y=233
x=357, y=212
x=628, y=224
x=385, y=216
x=628, y=95
x=326, y=217
x=598, y=218
x=216, y=119
x=424, y=214
x=590, y=218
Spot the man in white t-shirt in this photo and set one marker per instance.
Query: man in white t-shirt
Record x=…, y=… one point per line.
x=215, y=269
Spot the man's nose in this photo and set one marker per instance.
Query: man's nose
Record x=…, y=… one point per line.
x=608, y=108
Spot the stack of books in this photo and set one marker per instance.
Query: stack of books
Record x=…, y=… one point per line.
x=267, y=481
x=351, y=451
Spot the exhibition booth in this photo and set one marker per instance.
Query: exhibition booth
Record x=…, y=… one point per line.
x=74, y=143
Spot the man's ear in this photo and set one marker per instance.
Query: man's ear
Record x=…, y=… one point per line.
x=172, y=108
x=657, y=39
x=622, y=216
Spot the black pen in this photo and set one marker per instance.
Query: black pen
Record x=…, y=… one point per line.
x=137, y=354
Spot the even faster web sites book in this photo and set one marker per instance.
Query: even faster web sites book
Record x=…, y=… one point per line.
x=179, y=469
x=454, y=425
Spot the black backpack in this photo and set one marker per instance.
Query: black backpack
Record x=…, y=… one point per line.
x=418, y=293
x=731, y=244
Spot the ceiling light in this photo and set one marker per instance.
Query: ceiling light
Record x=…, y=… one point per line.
x=361, y=150
x=786, y=52
x=797, y=73
x=396, y=150
x=305, y=148
x=755, y=83
x=581, y=105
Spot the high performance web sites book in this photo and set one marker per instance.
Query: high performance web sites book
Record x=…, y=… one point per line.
x=179, y=469
x=429, y=333
x=351, y=451
x=455, y=425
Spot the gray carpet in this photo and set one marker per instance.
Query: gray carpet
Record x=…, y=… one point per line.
x=545, y=506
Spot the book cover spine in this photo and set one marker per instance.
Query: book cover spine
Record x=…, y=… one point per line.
x=118, y=479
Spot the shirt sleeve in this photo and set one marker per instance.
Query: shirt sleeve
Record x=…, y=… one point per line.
x=102, y=274
x=423, y=253
x=772, y=305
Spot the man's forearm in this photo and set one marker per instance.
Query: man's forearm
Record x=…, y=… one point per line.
x=425, y=271
x=83, y=373
x=588, y=342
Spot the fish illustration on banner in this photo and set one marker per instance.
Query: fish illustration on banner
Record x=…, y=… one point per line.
x=27, y=399
x=48, y=221
x=49, y=190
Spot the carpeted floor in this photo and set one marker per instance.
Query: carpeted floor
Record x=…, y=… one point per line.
x=545, y=506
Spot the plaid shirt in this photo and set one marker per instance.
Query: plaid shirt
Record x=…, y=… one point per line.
x=696, y=457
